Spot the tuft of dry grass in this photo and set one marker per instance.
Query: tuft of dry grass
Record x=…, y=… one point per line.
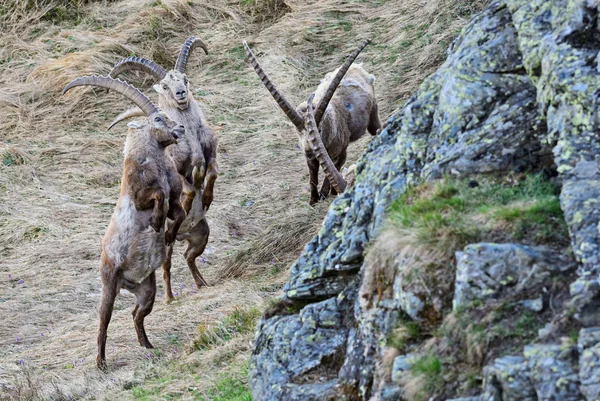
x=61, y=172
x=276, y=243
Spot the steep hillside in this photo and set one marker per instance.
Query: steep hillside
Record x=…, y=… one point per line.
x=60, y=174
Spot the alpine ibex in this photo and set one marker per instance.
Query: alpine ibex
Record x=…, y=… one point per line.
x=195, y=155
x=353, y=111
x=135, y=243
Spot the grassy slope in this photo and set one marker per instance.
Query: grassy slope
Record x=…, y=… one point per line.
x=60, y=175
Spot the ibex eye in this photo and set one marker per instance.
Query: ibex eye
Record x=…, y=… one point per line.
x=158, y=119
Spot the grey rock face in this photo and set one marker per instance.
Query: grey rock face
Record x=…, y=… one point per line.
x=290, y=346
x=508, y=379
x=521, y=79
x=589, y=362
x=559, y=44
x=401, y=365
x=553, y=372
x=486, y=270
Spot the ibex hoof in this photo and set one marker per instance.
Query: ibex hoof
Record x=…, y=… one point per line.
x=170, y=237
x=101, y=363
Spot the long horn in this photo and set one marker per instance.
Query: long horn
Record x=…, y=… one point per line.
x=281, y=101
x=132, y=112
x=131, y=93
x=138, y=64
x=324, y=102
x=188, y=46
x=314, y=137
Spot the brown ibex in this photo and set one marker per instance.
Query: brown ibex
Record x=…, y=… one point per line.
x=352, y=111
x=135, y=243
x=195, y=156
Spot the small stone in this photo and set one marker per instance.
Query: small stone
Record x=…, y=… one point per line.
x=535, y=305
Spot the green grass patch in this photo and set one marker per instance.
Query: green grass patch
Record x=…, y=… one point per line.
x=429, y=365
x=427, y=378
x=450, y=214
x=408, y=331
x=229, y=389
x=241, y=321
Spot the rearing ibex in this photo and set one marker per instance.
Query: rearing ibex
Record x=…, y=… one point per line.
x=134, y=245
x=195, y=155
x=352, y=111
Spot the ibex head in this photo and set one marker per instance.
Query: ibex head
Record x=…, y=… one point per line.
x=173, y=85
x=305, y=118
x=161, y=128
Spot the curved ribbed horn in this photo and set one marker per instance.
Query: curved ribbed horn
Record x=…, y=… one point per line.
x=314, y=137
x=131, y=112
x=131, y=93
x=138, y=64
x=320, y=111
x=281, y=101
x=185, y=51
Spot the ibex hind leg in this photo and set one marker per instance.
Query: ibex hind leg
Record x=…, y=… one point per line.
x=313, y=170
x=145, y=293
x=374, y=122
x=167, y=274
x=196, y=243
x=110, y=287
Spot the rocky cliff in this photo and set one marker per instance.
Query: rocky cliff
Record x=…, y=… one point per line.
x=517, y=98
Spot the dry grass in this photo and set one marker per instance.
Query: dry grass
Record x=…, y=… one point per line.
x=61, y=170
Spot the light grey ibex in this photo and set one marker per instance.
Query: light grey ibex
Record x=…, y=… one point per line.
x=195, y=156
x=352, y=111
x=135, y=243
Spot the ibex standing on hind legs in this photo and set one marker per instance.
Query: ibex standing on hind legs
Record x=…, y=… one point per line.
x=195, y=156
x=135, y=243
x=352, y=111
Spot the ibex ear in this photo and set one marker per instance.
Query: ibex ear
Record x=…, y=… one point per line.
x=135, y=124
x=156, y=88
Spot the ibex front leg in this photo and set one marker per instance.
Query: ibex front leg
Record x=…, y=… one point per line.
x=152, y=197
x=326, y=187
x=189, y=193
x=211, y=176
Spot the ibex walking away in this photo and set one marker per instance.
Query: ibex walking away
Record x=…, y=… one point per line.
x=352, y=111
x=195, y=156
x=134, y=245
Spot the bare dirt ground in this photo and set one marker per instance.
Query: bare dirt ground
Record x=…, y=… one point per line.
x=61, y=169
